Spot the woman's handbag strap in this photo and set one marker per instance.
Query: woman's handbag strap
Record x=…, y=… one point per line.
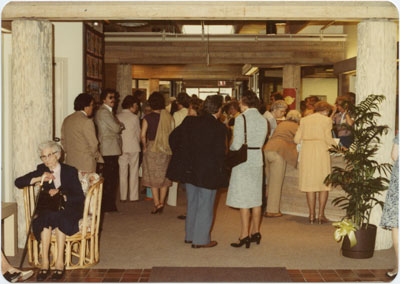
x=245, y=129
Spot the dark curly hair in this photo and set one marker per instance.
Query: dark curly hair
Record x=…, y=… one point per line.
x=249, y=98
x=156, y=101
x=129, y=101
x=82, y=100
x=183, y=99
x=105, y=92
x=212, y=104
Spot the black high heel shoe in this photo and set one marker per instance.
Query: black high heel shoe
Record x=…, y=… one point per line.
x=256, y=238
x=241, y=242
x=158, y=209
x=58, y=274
x=43, y=274
x=322, y=219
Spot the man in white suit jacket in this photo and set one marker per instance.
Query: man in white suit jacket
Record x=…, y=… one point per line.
x=129, y=160
x=109, y=129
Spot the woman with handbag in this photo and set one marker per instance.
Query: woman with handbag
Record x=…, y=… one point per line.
x=245, y=186
x=59, y=207
x=156, y=128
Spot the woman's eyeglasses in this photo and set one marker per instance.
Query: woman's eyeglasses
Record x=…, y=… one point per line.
x=45, y=157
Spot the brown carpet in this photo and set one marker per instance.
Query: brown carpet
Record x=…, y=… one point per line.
x=219, y=274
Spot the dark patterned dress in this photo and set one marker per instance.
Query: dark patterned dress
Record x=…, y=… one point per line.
x=154, y=164
x=390, y=215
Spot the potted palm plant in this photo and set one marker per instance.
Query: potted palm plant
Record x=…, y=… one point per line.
x=362, y=179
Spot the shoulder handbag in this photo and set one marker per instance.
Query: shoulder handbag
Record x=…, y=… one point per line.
x=50, y=203
x=237, y=157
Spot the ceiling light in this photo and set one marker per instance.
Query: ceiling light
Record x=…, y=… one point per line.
x=132, y=25
x=208, y=29
x=251, y=71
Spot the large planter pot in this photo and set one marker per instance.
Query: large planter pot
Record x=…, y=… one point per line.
x=365, y=243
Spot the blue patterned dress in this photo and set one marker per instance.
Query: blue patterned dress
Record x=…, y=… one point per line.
x=390, y=215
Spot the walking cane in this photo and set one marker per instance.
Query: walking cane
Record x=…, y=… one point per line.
x=30, y=224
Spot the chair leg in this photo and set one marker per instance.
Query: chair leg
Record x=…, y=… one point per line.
x=82, y=252
x=96, y=248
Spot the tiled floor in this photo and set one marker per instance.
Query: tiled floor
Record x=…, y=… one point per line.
x=142, y=275
x=103, y=275
x=339, y=275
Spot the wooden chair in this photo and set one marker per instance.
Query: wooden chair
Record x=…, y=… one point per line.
x=82, y=248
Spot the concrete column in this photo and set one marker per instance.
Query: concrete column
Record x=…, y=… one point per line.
x=292, y=80
x=32, y=100
x=376, y=74
x=154, y=86
x=124, y=82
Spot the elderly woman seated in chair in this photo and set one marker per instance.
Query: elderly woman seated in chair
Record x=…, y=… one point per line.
x=54, y=212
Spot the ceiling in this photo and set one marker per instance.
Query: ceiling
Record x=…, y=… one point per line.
x=240, y=27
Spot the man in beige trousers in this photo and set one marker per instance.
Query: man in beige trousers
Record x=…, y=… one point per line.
x=129, y=160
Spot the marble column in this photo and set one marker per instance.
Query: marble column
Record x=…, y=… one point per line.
x=292, y=80
x=377, y=74
x=32, y=100
x=124, y=82
x=154, y=86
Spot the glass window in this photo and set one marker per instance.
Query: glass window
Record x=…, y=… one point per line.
x=192, y=91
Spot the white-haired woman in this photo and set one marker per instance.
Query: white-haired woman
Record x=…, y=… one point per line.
x=278, y=110
x=279, y=151
x=57, y=178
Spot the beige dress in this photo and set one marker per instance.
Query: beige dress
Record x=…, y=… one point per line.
x=315, y=137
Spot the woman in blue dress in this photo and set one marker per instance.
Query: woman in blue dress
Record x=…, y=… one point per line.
x=245, y=185
x=390, y=215
x=55, y=177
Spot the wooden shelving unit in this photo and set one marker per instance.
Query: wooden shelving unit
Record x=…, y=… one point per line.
x=93, y=62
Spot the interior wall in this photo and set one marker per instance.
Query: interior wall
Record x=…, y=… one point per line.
x=68, y=43
x=144, y=84
x=7, y=183
x=110, y=76
x=320, y=87
x=351, y=41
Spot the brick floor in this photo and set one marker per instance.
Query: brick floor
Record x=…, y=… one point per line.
x=339, y=275
x=296, y=275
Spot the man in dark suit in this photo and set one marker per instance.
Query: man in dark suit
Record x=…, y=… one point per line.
x=203, y=139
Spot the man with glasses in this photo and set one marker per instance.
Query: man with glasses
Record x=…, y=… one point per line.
x=78, y=136
x=109, y=129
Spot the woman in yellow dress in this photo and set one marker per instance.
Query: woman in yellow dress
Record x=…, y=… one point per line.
x=315, y=136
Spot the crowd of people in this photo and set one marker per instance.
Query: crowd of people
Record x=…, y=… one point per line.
x=184, y=144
